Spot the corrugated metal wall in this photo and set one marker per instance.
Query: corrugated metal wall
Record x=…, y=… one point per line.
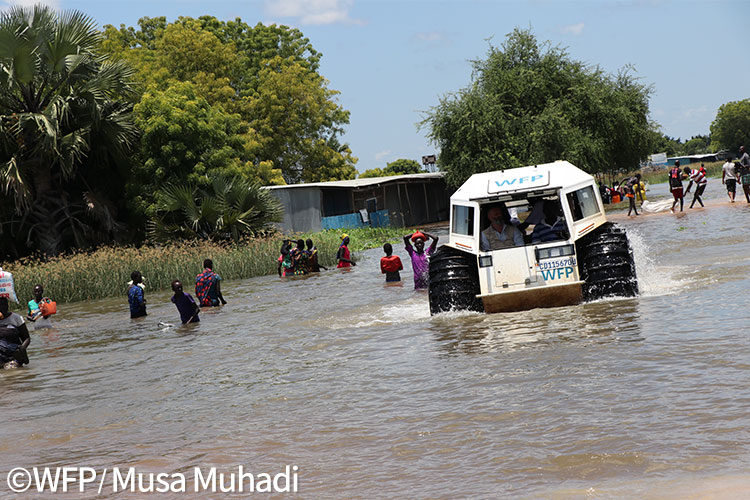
x=301, y=209
x=407, y=203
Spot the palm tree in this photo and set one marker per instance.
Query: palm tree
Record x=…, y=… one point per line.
x=226, y=209
x=62, y=107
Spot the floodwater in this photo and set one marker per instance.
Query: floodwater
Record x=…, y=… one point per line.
x=354, y=383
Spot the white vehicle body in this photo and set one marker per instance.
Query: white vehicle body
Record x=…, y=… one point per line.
x=541, y=274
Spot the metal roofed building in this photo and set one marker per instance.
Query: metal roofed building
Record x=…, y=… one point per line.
x=688, y=159
x=402, y=200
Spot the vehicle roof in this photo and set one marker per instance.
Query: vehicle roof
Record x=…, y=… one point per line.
x=558, y=174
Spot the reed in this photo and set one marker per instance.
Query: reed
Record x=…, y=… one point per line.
x=105, y=272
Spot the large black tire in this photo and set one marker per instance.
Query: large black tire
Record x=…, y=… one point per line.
x=454, y=281
x=605, y=263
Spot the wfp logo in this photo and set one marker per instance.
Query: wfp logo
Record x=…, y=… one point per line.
x=535, y=179
x=528, y=179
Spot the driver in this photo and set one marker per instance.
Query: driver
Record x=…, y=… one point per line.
x=501, y=233
x=552, y=227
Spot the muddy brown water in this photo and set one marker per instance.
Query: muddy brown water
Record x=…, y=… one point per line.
x=352, y=381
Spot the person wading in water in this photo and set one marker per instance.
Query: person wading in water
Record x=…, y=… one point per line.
x=420, y=259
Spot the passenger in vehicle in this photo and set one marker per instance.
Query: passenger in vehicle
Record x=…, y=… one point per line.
x=501, y=233
x=552, y=227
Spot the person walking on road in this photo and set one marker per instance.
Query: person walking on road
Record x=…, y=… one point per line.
x=630, y=187
x=699, y=178
x=729, y=179
x=744, y=172
x=675, y=185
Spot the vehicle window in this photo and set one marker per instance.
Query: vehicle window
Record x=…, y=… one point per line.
x=463, y=220
x=583, y=203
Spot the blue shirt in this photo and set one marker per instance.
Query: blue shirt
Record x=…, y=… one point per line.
x=543, y=232
x=137, y=301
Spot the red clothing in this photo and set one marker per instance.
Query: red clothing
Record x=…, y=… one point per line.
x=344, y=254
x=390, y=264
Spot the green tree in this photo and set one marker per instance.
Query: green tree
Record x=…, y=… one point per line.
x=662, y=143
x=373, y=172
x=698, y=144
x=531, y=103
x=298, y=122
x=403, y=166
x=398, y=167
x=65, y=123
x=267, y=75
x=258, y=44
x=184, y=139
x=731, y=127
x=221, y=209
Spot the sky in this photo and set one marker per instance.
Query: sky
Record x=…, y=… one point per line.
x=393, y=60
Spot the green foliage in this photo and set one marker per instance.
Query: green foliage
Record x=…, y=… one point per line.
x=258, y=44
x=298, y=121
x=66, y=123
x=373, y=172
x=398, y=167
x=184, y=138
x=731, y=127
x=265, y=75
x=224, y=209
x=531, y=103
x=699, y=144
x=403, y=166
x=662, y=143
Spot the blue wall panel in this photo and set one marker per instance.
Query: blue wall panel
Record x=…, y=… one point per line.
x=377, y=219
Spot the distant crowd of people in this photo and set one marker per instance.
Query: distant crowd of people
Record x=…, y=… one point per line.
x=298, y=260
x=632, y=188
x=732, y=173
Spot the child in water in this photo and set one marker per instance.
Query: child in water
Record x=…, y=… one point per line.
x=185, y=304
x=390, y=265
x=136, y=298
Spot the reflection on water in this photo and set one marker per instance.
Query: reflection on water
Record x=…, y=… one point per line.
x=354, y=382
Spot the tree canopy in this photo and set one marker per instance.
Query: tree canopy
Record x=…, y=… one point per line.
x=65, y=127
x=731, y=127
x=401, y=166
x=263, y=78
x=530, y=103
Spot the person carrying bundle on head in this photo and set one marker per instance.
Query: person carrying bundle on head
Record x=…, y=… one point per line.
x=420, y=259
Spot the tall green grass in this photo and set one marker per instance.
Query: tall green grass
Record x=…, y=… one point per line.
x=106, y=271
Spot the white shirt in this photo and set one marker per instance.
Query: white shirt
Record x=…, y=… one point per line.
x=12, y=319
x=729, y=170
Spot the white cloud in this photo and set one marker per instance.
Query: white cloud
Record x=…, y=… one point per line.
x=433, y=38
x=4, y=4
x=382, y=154
x=694, y=113
x=572, y=29
x=314, y=12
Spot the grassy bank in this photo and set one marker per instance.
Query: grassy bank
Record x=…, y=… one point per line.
x=105, y=272
x=713, y=169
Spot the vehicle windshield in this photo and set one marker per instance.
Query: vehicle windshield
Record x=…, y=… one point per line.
x=529, y=221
